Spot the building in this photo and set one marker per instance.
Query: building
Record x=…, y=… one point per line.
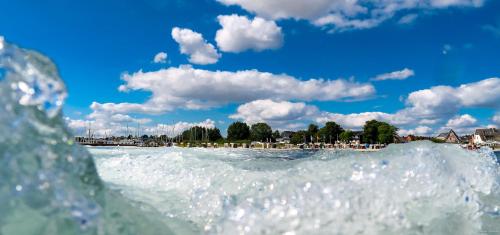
x=285, y=138
x=449, y=137
x=489, y=136
x=357, y=137
x=410, y=138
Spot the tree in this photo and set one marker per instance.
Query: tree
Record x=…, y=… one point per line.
x=238, y=131
x=276, y=135
x=346, y=136
x=214, y=134
x=330, y=131
x=312, y=132
x=298, y=137
x=386, y=133
x=381, y=132
x=261, y=132
x=370, y=131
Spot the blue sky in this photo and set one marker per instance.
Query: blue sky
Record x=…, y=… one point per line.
x=281, y=51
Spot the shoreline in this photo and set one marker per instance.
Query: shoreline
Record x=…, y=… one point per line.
x=240, y=148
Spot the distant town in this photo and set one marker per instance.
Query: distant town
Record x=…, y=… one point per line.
x=375, y=135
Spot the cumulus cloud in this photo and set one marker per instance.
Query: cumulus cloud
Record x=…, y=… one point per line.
x=445, y=101
x=343, y=15
x=238, y=33
x=160, y=58
x=496, y=118
x=396, y=75
x=425, y=110
x=200, y=89
x=122, y=125
x=463, y=124
x=192, y=44
x=175, y=129
x=1, y=42
x=102, y=124
x=465, y=120
x=418, y=131
x=354, y=120
x=276, y=113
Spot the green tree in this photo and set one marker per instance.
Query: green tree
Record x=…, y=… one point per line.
x=298, y=137
x=238, y=131
x=378, y=132
x=261, y=132
x=276, y=135
x=346, y=136
x=370, y=131
x=330, y=131
x=214, y=134
x=312, y=132
x=386, y=133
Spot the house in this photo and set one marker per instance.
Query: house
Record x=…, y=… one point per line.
x=466, y=139
x=442, y=136
x=398, y=139
x=449, y=137
x=357, y=137
x=410, y=138
x=285, y=138
x=486, y=136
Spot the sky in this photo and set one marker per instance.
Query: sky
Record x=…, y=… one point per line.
x=426, y=66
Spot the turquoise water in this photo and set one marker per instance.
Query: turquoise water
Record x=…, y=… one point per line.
x=49, y=185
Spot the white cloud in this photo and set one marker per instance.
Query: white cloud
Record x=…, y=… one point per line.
x=465, y=120
x=396, y=75
x=445, y=101
x=341, y=15
x=447, y=48
x=494, y=29
x=238, y=33
x=192, y=43
x=353, y=120
x=161, y=58
x=101, y=125
x=175, y=129
x=408, y=19
x=276, y=113
x=2, y=40
x=418, y=131
x=191, y=88
x=496, y=118
x=464, y=124
x=425, y=110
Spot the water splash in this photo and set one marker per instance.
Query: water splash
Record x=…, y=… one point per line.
x=418, y=188
x=48, y=184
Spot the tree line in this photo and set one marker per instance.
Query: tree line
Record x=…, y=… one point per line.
x=373, y=132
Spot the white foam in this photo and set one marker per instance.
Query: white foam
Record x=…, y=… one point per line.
x=407, y=188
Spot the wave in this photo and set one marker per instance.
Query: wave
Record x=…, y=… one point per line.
x=418, y=188
x=49, y=185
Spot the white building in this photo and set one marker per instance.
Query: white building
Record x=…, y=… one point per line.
x=490, y=136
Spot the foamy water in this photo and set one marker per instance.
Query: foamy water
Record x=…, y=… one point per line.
x=418, y=188
x=50, y=185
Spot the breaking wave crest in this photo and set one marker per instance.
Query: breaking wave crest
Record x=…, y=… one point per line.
x=49, y=185
x=418, y=188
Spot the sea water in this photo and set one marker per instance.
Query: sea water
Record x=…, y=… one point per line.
x=50, y=185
